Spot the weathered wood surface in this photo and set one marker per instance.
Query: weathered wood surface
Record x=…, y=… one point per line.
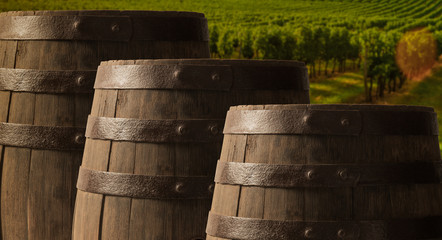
x=113, y=217
x=38, y=186
x=324, y=203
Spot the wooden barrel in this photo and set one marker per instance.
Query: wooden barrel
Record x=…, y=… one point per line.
x=47, y=69
x=154, y=136
x=365, y=172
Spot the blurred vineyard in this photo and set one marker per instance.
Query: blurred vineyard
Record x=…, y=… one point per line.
x=329, y=35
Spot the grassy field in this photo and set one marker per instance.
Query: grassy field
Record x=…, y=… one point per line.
x=343, y=88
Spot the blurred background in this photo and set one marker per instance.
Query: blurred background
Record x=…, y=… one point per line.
x=357, y=51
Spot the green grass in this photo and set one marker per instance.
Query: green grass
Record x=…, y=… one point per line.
x=344, y=88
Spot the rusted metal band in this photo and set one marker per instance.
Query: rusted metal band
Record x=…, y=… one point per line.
x=103, y=28
x=41, y=137
x=157, y=131
x=201, y=77
x=142, y=186
x=328, y=122
x=342, y=175
x=31, y=80
x=252, y=228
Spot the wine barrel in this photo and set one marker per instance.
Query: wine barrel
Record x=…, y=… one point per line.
x=47, y=70
x=154, y=136
x=328, y=172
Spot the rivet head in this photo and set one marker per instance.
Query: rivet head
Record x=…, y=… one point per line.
x=80, y=81
x=79, y=138
x=115, y=28
x=306, y=119
x=345, y=122
x=341, y=233
x=176, y=74
x=211, y=187
x=214, y=130
x=343, y=174
x=179, y=187
x=181, y=130
x=215, y=77
x=308, y=233
x=310, y=174
x=76, y=24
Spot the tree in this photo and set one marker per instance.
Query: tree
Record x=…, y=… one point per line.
x=288, y=46
x=213, y=40
x=417, y=52
x=246, y=45
x=317, y=43
x=334, y=43
x=225, y=44
x=326, y=48
x=305, y=45
x=343, y=47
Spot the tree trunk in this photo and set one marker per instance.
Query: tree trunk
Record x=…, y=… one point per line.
x=370, y=99
x=325, y=68
x=367, y=96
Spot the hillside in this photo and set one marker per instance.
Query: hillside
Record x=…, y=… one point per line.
x=394, y=13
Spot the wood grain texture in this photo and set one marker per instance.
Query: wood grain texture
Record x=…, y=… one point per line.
x=38, y=186
x=164, y=219
x=328, y=204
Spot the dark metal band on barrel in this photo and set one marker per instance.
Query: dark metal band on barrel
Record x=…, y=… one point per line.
x=202, y=77
x=142, y=186
x=325, y=122
x=103, y=28
x=41, y=137
x=31, y=80
x=252, y=228
x=156, y=131
x=343, y=175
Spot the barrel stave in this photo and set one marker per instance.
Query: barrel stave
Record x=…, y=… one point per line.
x=31, y=180
x=358, y=203
x=168, y=218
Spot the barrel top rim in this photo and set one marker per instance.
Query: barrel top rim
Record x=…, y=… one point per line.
x=129, y=13
x=207, y=61
x=336, y=107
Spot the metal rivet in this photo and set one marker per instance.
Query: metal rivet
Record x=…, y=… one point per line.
x=115, y=28
x=215, y=77
x=306, y=119
x=343, y=174
x=76, y=24
x=214, y=130
x=80, y=81
x=181, y=130
x=79, y=138
x=345, y=122
x=179, y=187
x=310, y=174
x=176, y=74
x=211, y=187
x=308, y=233
x=341, y=233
